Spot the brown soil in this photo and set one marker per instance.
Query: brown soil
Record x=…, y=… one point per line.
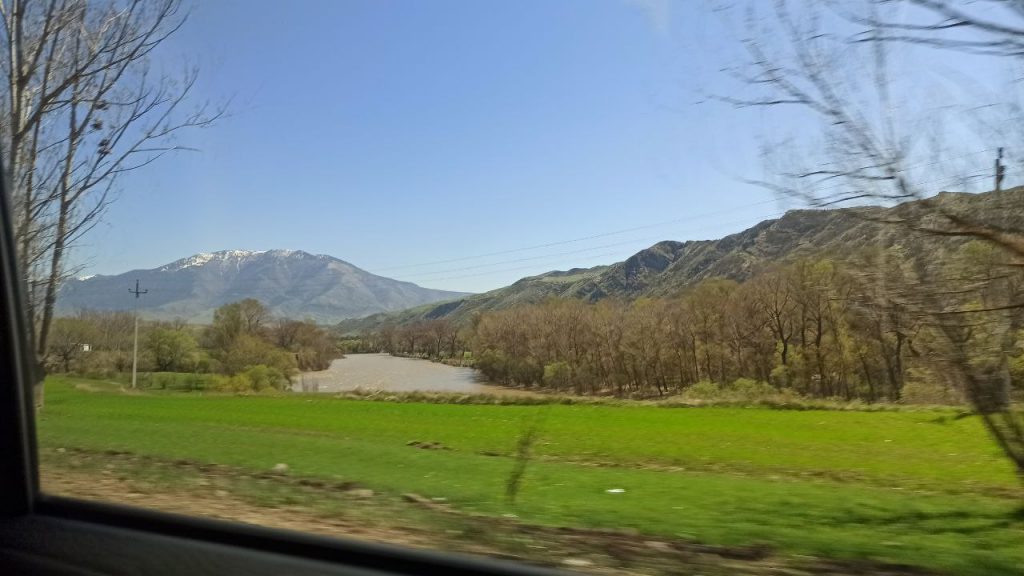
x=219, y=504
x=198, y=489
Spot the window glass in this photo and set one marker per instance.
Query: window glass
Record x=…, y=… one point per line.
x=639, y=286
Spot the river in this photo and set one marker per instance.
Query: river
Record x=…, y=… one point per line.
x=393, y=374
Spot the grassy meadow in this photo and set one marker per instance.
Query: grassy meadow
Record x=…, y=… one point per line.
x=919, y=487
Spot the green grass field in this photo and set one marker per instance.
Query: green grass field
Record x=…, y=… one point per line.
x=917, y=487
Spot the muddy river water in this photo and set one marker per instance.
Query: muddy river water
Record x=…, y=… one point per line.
x=393, y=374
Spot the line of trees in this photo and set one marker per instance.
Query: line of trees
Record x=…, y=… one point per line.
x=813, y=327
x=245, y=345
x=808, y=327
x=436, y=339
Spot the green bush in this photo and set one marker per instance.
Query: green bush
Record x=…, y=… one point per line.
x=747, y=388
x=527, y=371
x=171, y=350
x=161, y=381
x=102, y=363
x=257, y=378
x=703, y=390
x=557, y=375
x=743, y=391
x=177, y=381
x=264, y=377
x=781, y=376
x=493, y=365
x=248, y=351
x=236, y=383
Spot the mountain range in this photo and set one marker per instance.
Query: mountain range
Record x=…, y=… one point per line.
x=292, y=283
x=297, y=284
x=669, y=267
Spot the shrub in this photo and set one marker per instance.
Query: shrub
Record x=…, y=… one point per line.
x=262, y=377
x=743, y=391
x=703, y=390
x=171, y=350
x=557, y=375
x=493, y=365
x=248, y=351
x=236, y=383
x=102, y=363
x=526, y=371
x=780, y=376
x=181, y=381
x=254, y=379
x=162, y=381
x=749, y=389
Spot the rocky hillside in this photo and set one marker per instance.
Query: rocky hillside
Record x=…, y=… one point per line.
x=669, y=267
x=291, y=283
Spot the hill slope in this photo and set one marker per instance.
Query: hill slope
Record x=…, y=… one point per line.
x=669, y=267
x=291, y=283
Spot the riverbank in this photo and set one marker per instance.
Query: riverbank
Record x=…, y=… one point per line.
x=913, y=488
x=390, y=378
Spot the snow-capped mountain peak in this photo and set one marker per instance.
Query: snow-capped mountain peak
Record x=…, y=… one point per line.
x=292, y=283
x=204, y=258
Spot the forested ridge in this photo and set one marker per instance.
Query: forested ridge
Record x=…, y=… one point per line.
x=845, y=323
x=814, y=327
x=669, y=268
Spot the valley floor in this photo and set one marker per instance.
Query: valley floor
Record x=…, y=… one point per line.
x=635, y=489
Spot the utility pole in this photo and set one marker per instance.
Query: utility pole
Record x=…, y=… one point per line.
x=135, y=347
x=1000, y=170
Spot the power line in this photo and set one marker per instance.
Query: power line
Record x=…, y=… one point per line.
x=531, y=266
x=818, y=186
x=582, y=238
x=527, y=259
x=429, y=276
x=505, y=270
x=546, y=256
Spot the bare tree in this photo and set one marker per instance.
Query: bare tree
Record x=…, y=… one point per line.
x=82, y=106
x=833, y=62
x=987, y=27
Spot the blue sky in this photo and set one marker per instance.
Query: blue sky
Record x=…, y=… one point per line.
x=411, y=137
